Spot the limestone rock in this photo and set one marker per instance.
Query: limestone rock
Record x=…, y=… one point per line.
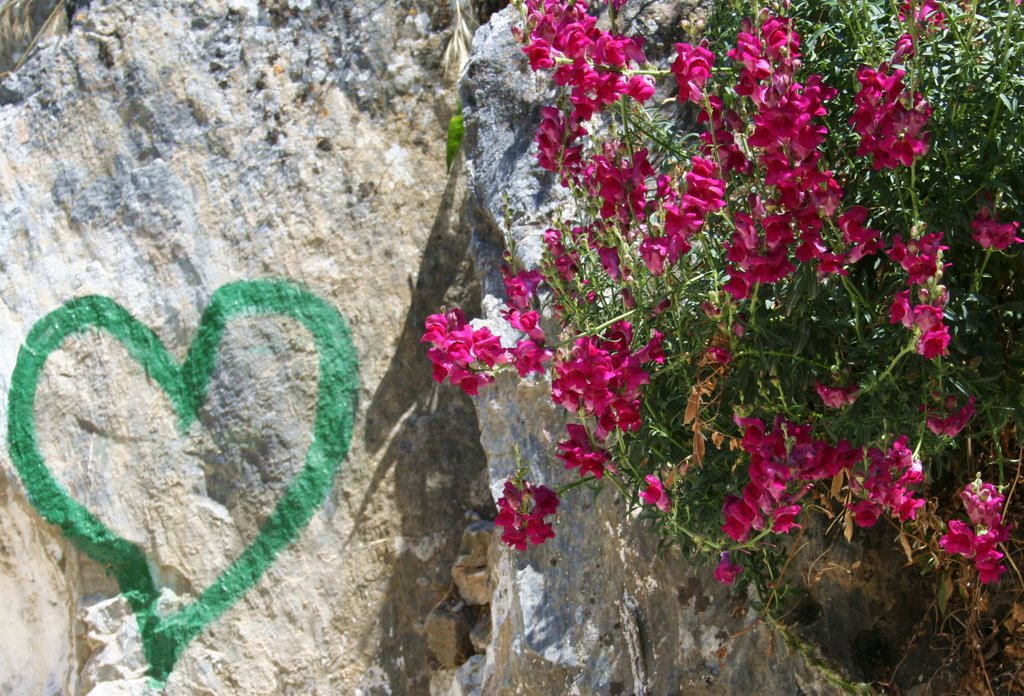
x=113, y=638
x=447, y=630
x=157, y=152
x=460, y=681
x=480, y=635
x=471, y=572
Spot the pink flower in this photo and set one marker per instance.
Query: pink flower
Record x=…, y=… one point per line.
x=521, y=288
x=602, y=377
x=527, y=322
x=522, y=512
x=865, y=512
x=539, y=53
x=899, y=311
x=984, y=504
x=925, y=12
x=991, y=234
x=719, y=355
x=904, y=49
x=836, y=397
x=640, y=87
x=889, y=119
x=461, y=354
x=739, y=518
x=920, y=258
x=692, y=68
x=954, y=421
x=889, y=485
x=784, y=519
x=959, y=539
x=933, y=342
x=862, y=240
x=558, y=146
x=783, y=462
x=655, y=494
x=577, y=452
x=727, y=571
x=530, y=357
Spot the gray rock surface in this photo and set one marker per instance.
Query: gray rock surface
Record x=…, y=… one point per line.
x=471, y=572
x=158, y=151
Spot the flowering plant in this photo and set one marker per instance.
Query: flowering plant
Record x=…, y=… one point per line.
x=791, y=279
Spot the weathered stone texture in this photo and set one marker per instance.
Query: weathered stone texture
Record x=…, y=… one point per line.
x=158, y=151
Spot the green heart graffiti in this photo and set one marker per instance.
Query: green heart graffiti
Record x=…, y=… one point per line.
x=165, y=637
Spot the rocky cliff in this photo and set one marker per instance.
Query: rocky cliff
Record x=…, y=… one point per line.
x=598, y=609
x=222, y=225
x=156, y=153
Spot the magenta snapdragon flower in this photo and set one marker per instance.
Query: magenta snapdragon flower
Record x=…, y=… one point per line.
x=890, y=485
x=727, y=571
x=992, y=234
x=578, y=453
x=836, y=397
x=783, y=463
x=461, y=354
x=955, y=419
x=655, y=494
x=522, y=513
x=603, y=377
x=978, y=540
x=889, y=118
x=692, y=69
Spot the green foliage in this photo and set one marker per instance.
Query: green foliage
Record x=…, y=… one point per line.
x=456, y=131
x=835, y=330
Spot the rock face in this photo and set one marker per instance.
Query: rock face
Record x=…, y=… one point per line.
x=162, y=150
x=598, y=610
x=282, y=162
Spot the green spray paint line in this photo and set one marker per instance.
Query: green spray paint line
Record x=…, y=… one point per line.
x=165, y=637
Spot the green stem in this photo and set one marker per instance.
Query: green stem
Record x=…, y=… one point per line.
x=976, y=282
x=858, y=303
x=780, y=354
x=1004, y=64
x=601, y=327
x=909, y=348
x=575, y=484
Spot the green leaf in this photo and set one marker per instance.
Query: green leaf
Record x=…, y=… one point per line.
x=456, y=129
x=943, y=593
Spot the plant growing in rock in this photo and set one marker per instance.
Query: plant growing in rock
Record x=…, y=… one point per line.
x=791, y=282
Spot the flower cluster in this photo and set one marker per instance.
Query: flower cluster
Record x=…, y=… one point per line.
x=786, y=138
x=522, y=510
x=705, y=285
x=922, y=260
x=529, y=355
x=601, y=377
x=783, y=463
x=992, y=234
x=977, y=540
x=954, y=420
x=589, y=60
x=461, y=354
x=683, y=215
x=579, y=453
x=888, y=485
x=889, y=118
